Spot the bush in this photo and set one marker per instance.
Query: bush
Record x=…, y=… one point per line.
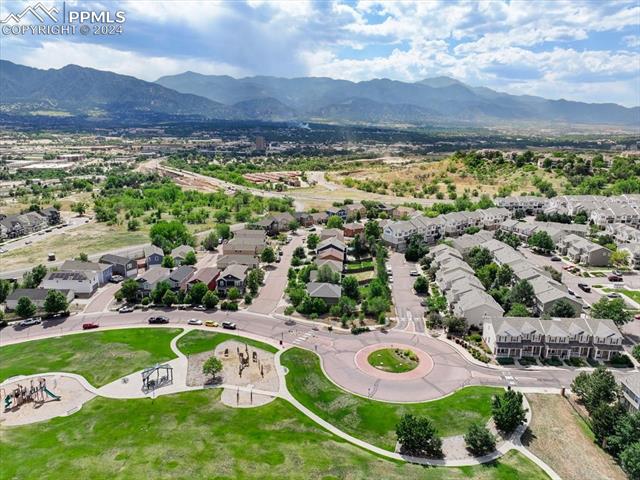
x=620, y=361
x=507, y=410
x=636, y=352
x=289, y=310
x=248, y=299
x=505, y=360
x=359, y=330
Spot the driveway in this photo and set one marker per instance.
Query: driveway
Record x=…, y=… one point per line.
x=276, y=279
x=409, y=312
x=102, y=298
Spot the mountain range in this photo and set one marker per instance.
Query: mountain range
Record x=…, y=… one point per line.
x=78, y=90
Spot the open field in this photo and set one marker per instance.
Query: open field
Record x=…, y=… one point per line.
x=404, y=180
x=374, y=421
x=198, y=341
x=564, y=441
x=90, y=238
x=101, y=357
x=193, y=435
x=388, y=360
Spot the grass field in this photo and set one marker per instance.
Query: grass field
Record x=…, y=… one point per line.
x=192, y=435
x=386, y=359
x=632, y=294
x=564, y=441
x=375, y=421
x=100, y=357
x=90, y=238
x=198, y=341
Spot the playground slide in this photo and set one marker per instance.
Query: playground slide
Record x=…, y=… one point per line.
x=51, y=394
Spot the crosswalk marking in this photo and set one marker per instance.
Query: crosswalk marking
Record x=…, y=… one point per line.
x=303, y=338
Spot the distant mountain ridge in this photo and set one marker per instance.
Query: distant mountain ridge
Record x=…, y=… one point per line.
x=80, y=91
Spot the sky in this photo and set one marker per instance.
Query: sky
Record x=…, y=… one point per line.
x=577, y=50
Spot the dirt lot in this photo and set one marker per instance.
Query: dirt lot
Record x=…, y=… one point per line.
x=561, y=438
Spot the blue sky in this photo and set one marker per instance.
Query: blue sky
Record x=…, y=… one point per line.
x=588, y=51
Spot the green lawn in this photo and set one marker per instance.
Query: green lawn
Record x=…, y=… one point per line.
x=192, y=435
x=198, y=341
x=374, y=421
x=100, y=356
x=388, y=360
x=632, y=294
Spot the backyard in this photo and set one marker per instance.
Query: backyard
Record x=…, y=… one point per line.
x=100, y=357
x=193, y=435
x=374, y=421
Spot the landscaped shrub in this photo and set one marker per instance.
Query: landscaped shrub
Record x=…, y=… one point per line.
x=359, y=330
x=636, y=352
x=620, y=361
x=505, y=360
x=289, y=310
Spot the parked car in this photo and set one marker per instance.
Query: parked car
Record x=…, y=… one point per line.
x=617, y=272
x=555, y=258
x=158, y=320
x=194, y=321
x=637, y=317
x=423, y=303
x=116, y=279
x=311, y=229
x=58, y=315
x=126, y=309
x=414, y=273
x=571, y=292
x=28, y=322
x=89, y=326
x=614, y=295
x=211, y=323
x=229, y=325
x=614, y=278
x=200, y=308
x=584, y=287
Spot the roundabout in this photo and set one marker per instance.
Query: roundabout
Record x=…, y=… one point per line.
x=393, y=361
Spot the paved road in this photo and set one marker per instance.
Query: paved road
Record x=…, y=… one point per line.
x=337, y=350
x=276, y=279
x=409, y=312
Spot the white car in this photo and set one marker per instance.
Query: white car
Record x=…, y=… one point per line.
x=194, y=321
x=414, y=273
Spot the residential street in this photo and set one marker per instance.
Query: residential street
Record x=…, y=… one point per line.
x=409, y=312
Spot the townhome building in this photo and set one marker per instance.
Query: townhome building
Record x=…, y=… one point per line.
x=493, y=217
x=634, y=253
x=623, y=233
x=583, y=251
x=562, y=338
x=526, y=204
x=630, y=387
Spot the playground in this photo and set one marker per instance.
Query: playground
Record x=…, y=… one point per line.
x=243, y=365
x=38, y=398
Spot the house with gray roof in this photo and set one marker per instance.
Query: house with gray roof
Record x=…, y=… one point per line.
x=180, y=252
x=329, y=292
x=151, y=278
x=153, y=256
x=122, y=266
x=583, y=251
x=179, y=277
x=36, y=295
x=630, y=387
x=102, y=271
x=232, y=276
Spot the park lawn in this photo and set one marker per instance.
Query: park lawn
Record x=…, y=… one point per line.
x=632, y=294
x=193, y=435
x=388, y=360
x=375, y=421
x=101, y=356
x=198, y=341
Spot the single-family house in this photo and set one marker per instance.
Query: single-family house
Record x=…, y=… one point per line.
x=208, y=276
x=179, y=277
x=353, y=229
x=151, y=278
x=103, y=271
x=36, y=295
x=180, y=252
x=122, y=266
x=232, y=276
x=329, y=292
x=153, y=256
x=227, y=260
x=332, y=233
x=81, y=283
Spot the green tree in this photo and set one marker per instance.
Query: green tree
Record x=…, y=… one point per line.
x=210, y=299
x=372, y=231
x=212, y=366
x=507, y=410
x=437, y=303
x=612, y=309
x=158, y=292
x=541, y=241
x=334, y=221
x=625, y=432
x=563, y=309
x=604, y=419
x=594, y=389
x=82, y=257
x=129, y=290
x=293, y=226
x=197, y=293
x=620, y=258
x=478, y=257
x=169, y=298
x=233, y=293
x=25, y=307
x=455, y=325
x=518, y=310
x=416, y=248
x=268, y=255
x=480, y=441
x=133, y=225
x=255, y=277
x=79, y=207
x=504, y=276
x=223, y=231
x=6, y=287
x=421, y=285
x=630, y=459
x=33, y=278
x=190, y=258
x=350, y=287
x=55, y=302
x=522, y=292
x=418, y=436
x=169, y=235
x=168, y=261
x=210, y=242
x=312, y=241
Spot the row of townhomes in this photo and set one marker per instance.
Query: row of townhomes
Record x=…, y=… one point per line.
x=464, y=292
x=397, y=234
x=627, y=238
x=546, y=290
x=557, y=231
x=14, y=226
x=583, y=251
x=563, y=338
